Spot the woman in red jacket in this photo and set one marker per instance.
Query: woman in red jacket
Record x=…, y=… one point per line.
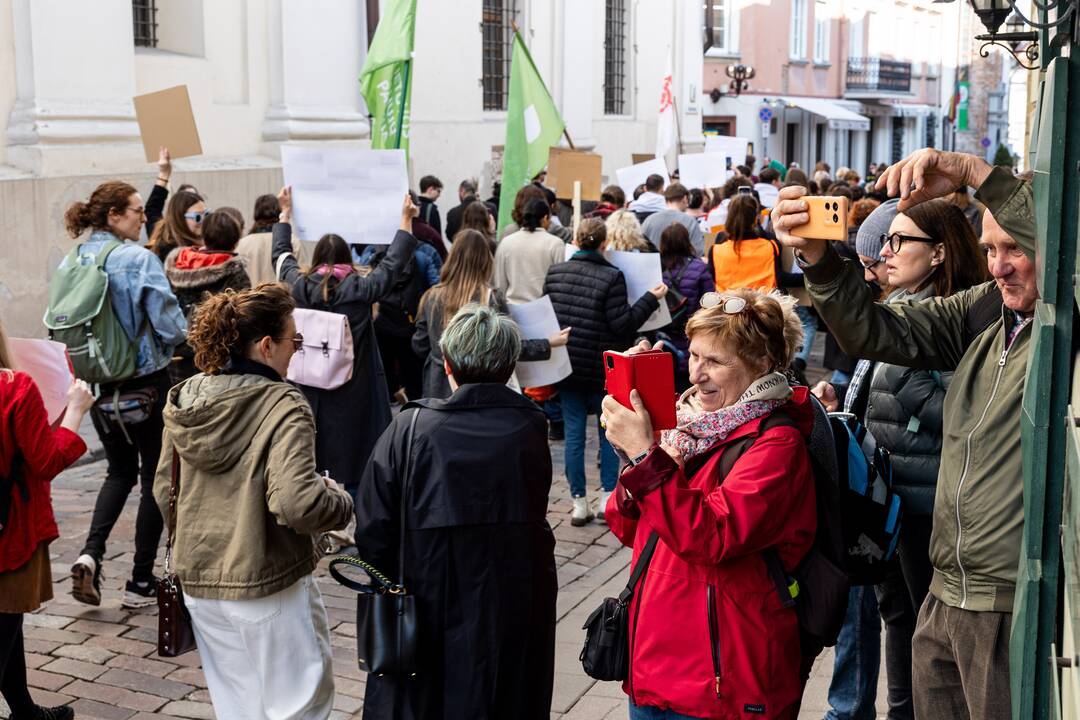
x=710, y=637
x=31, y=454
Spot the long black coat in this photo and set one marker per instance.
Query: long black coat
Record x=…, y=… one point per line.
x=348, y=419
x=589, y=295
x=479, y=556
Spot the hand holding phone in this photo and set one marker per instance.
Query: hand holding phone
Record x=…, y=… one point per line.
x=652, y=374
x=828, y=218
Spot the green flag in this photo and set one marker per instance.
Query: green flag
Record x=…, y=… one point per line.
x=385, y=81
x=533, y=125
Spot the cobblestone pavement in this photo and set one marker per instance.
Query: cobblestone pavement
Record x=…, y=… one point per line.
x=103, y=662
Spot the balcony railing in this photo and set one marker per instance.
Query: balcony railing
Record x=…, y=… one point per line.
x=877, y=75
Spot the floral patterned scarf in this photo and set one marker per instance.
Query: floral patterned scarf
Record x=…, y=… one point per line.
x=698, y=431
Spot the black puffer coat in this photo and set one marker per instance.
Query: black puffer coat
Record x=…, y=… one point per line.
x=904, y=413
x=589, y=296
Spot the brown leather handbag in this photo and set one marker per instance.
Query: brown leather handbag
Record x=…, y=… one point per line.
x=175, y=633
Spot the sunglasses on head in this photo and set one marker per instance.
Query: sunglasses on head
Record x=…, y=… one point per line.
x=728, y=304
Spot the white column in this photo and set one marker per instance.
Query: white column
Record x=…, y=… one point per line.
x=75, y=77
x=582, y=28
x=689, y=71
x=316, y=49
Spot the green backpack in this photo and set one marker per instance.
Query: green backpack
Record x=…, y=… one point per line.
x=81, y=316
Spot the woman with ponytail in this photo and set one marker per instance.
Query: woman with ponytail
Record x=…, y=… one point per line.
x=349, y=418
x=250, y=504
x=151, y=319
x=523, y=258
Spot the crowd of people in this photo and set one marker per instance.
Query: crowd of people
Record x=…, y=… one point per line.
x=926, y=307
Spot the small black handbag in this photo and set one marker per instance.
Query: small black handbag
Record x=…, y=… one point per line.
x=386, y=626
x=606, y=654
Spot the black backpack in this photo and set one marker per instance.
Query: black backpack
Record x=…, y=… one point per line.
x=817, y=588
x=399, y=307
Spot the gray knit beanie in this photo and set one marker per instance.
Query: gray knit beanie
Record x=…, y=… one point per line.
x=868, y=239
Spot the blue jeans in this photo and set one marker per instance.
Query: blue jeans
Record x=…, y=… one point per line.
x=809, y=329
x=839, y=377
x=576, y=407
x=647, y=712
x=853, y=690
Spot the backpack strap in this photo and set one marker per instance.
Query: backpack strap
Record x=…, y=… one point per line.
x=980, y=315
x=787, y=588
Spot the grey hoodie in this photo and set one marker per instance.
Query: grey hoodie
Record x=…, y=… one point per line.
x=250, y=503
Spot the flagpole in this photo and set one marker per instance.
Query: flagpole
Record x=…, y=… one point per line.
x=678, y=130
x=566, y=133
x=404, y=100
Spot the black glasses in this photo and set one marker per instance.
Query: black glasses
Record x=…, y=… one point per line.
x=869, y=265
x=896, y=240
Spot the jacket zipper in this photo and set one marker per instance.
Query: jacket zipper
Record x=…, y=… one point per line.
x=967, y=464
x=714, y=637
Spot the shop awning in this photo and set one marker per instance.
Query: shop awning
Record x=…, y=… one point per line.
x=839, y=118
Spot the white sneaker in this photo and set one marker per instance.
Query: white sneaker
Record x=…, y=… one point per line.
x=86, y=581
x=581, y=513
x=601, y=508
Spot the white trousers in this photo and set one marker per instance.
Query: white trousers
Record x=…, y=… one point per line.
x=266, y=659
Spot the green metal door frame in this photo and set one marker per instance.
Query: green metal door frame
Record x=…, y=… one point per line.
x=1056, y=154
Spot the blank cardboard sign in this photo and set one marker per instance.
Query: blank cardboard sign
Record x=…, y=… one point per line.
x=566, y=166
x=638, y=158
x=165, y=120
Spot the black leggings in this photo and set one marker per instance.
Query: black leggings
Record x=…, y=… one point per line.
x=13, y=665
x=130, y=464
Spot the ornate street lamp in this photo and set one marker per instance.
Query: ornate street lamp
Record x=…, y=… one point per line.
x=740, y=76
x=994, y=13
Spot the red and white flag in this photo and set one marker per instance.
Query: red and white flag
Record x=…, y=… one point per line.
x=665, y=126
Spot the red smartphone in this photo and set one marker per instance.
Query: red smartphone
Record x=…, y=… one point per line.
x=652, y=374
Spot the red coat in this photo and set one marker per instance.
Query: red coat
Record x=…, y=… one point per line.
x=46, y=452
x=711, y=539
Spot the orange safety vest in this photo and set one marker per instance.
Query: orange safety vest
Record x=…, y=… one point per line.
x=754, y=267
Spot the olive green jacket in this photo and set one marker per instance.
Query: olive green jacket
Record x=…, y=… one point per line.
x=979, y=502
x=251, y=504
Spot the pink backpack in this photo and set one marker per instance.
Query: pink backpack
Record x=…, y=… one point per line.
x=325, y=360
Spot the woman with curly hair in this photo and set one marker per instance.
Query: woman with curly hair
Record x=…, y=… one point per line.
x=241, y=442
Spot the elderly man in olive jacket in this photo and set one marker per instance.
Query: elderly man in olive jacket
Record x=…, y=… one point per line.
x=961, y=643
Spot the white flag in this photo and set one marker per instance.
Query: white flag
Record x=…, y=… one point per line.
x=665, y=125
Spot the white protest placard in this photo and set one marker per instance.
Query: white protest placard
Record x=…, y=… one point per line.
x=630, y=177
x=537, y=320
x=47, y=363
x=733, y=148
x=642, y=272
x=703, y=170
x=354, y=193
